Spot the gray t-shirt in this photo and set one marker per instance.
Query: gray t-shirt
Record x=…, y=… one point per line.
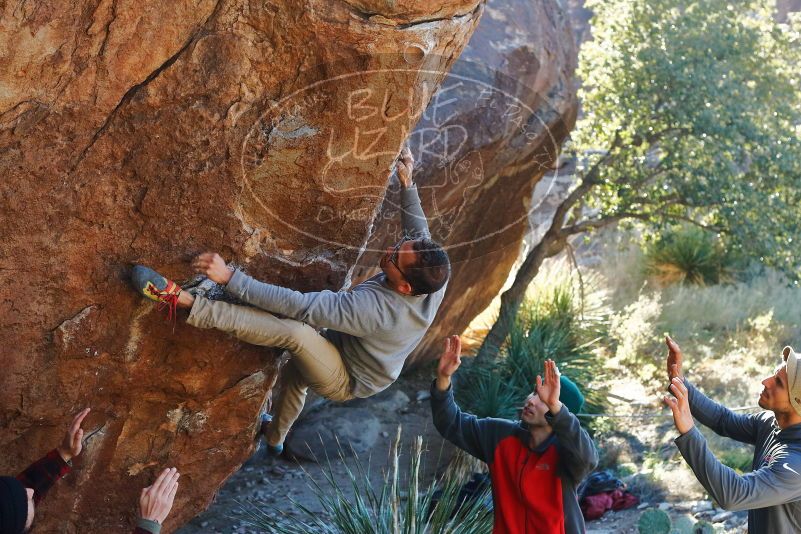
x=374, y=327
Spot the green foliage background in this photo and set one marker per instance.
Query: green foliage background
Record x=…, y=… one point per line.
x=696, y=109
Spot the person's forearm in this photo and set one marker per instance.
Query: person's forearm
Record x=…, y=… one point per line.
x=462, y=429
x=42, y=474
x=413, y=219
x=767, y=486
x=575, y=442
x=719, y=418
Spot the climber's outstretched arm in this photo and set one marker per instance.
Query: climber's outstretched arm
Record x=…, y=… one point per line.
x=412, y=217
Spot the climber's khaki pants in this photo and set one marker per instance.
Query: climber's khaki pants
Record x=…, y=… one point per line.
x=316, y=363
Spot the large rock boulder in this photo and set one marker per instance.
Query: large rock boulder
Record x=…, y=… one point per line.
x=490, y=133
x=149, y=131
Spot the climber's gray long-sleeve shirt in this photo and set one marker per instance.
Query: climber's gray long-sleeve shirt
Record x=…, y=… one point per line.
x=771, y=492
x=373, y=326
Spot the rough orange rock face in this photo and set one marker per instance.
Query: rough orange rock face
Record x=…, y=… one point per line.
x=147, y=132
x=488, y=136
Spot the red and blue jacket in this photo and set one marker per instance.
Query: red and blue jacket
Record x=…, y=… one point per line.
x=533, y=490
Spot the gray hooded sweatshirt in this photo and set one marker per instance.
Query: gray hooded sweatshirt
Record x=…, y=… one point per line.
x=771, y=492
x=373, y=326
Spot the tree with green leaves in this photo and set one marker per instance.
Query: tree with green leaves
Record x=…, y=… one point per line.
x=692, y=114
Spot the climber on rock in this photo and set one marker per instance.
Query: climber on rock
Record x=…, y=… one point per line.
x=20, y=495
x=367, y=331
x=536, y=463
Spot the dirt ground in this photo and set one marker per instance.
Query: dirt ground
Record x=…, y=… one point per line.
x=276, y=485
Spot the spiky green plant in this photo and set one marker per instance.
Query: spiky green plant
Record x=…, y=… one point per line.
x=550, y=324
x=689, y=255
x=395, y=506
x=485, y=392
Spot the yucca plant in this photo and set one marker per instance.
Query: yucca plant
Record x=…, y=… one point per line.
x=484, y=391
x=549, y=324
x=396, y=506
x=688, y=255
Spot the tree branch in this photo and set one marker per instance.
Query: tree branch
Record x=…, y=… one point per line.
x=588, y=181
x=594, y=224
x=658, y=136
x=707, y=227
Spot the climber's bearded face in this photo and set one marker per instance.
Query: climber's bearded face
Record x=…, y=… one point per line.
x=396, y=261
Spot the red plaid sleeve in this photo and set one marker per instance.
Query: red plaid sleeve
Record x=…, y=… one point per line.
x=42, y=474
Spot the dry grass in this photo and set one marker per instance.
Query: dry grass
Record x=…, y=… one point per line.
x=732, y=334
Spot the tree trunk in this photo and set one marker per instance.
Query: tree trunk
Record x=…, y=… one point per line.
x=552, y=244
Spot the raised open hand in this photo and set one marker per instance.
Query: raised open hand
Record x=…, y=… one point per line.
x=449, y=361
x=212, y=265
x=674, y=358
x=405, y=167
x=155, y=501
x=72, y=445
x=680, y=405
x=550, y=388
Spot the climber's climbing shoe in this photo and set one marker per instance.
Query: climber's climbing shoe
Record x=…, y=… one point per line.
x=155, y=287
x=264, y=453
x=274, y=450
x=270, y=450
x=265, y=420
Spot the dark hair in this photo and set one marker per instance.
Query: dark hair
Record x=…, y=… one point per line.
x=432, y=268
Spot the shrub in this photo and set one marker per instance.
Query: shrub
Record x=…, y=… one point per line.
x=634, y=328
x=484, y=392
x=550, y=324
x=688, y=255
x=745, y=322
x=394, y=507
x=728, y=308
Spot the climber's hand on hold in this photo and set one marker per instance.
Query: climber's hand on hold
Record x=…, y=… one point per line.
x=212, y=265
x=405, y=167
